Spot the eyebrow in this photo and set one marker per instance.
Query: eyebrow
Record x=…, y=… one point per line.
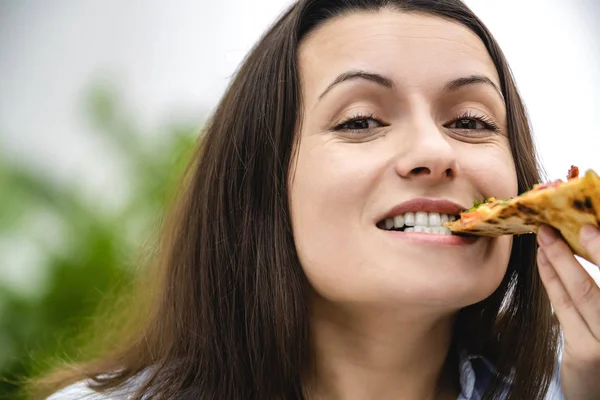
x=459, y=83
x=388, y=83
x=369, y=76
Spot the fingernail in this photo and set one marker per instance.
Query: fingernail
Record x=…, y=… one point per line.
x=588, y=232
x=542, y=257
x=546, y=235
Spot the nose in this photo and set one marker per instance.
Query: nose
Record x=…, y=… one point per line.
x=429, y=156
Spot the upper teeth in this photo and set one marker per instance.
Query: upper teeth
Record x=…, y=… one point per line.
x=418, y=219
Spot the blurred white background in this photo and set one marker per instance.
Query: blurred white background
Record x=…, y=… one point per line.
x=173, y=59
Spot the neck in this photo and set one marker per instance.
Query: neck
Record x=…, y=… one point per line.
x=381, y=354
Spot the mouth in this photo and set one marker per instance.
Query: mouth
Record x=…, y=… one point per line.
x=421, y=215
x=418, y=222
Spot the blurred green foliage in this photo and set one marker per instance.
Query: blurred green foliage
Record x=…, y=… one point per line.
x=80, y=251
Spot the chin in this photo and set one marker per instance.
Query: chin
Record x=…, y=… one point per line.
x=458, y=291
x=449, y=285
x=447, y=279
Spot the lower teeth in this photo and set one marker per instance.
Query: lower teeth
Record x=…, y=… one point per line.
x=426, y=229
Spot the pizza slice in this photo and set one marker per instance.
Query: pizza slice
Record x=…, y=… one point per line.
x=566, y=206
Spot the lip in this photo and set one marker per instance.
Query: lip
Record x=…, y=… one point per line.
x=441, y=206
x=432, y=239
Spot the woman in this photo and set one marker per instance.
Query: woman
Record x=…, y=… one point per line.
x=281, y=273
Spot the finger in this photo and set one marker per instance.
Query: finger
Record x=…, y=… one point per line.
x=589, y=236
x=581, y=289
x=569, y=317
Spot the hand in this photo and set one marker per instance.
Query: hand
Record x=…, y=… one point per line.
x=575, y=297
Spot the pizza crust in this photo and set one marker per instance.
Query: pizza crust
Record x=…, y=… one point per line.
x=566, y=207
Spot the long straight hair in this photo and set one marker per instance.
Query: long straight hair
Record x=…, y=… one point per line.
x=228, y=316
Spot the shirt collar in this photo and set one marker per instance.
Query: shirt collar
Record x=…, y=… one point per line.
x=475, y=374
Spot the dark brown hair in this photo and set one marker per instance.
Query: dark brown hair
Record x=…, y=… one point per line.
x=228, y=318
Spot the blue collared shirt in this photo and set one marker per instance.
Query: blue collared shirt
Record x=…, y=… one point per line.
x=476, y=373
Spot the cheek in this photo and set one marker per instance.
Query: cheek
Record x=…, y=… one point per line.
x=328, y=196
x=491, y=168
x=331, y=186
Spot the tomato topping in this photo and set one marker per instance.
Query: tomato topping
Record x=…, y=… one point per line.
x=555, y=183
x=470, y=216
x=573, y=172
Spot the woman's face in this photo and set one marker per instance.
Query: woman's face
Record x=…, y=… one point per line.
x=402, y=118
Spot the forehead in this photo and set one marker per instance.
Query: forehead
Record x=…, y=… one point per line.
x=413, y=49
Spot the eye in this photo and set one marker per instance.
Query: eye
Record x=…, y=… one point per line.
x=468, y=123
x=359, y=123
x=472, y=122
